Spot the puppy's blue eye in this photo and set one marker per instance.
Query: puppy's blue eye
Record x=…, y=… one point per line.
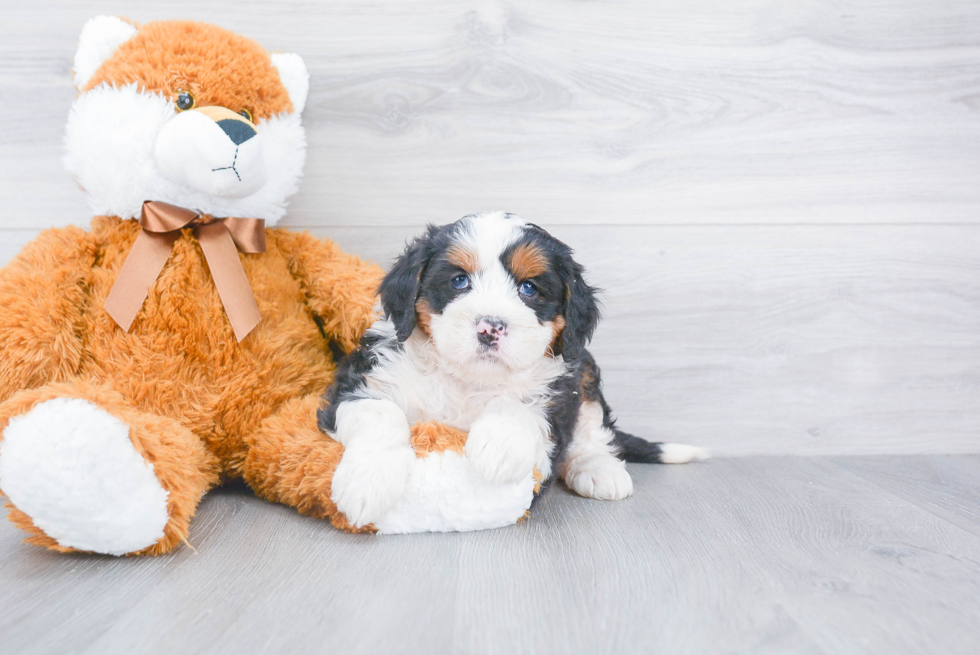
x=460, y=282
x=527, y=289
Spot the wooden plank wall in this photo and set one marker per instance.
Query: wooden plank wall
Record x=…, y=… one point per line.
x=780, y=199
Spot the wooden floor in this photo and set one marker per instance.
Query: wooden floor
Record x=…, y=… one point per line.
x=751, y=555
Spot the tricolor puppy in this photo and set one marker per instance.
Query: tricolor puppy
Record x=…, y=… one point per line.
x=486, y=325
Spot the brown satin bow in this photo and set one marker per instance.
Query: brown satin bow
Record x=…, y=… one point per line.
x=220, y=239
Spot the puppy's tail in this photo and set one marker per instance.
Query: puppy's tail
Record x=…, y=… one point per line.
x=635, y=449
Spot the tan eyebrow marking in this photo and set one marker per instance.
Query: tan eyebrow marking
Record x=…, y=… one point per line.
x=464, y=258
x=527, y=261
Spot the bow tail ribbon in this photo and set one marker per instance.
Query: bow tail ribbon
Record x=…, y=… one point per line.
x=220, y=240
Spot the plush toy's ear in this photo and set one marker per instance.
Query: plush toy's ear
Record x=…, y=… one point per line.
x=292, y=72
x=100, y=37
x=400, y=287
x=581, y=312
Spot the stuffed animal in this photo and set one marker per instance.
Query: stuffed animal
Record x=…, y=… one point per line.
x=183, y=341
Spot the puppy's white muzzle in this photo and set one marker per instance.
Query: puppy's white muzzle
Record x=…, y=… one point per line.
x=212, y=150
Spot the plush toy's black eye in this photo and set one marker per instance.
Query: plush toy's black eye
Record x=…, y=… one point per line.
x=460, y=282
x=247, y=114
x=185, y=100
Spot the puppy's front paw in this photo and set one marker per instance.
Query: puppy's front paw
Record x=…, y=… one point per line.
x=501, y=449
x=370, y=479
x=602, y=477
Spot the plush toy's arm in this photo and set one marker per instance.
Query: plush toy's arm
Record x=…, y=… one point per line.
x=340, y=288
x=42, y=294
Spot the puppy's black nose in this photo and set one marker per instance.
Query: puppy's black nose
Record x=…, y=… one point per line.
x=238, y=131
x=489, y=329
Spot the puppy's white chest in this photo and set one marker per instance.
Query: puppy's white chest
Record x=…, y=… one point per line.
x=427, y=389
x=431, y=396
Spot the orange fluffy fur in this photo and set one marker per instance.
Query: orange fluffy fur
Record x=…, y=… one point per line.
x=171, y=56
x=433, y=437
x=201, y=407
x=188, y=390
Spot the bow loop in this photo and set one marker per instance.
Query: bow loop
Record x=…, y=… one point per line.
x=220, y=239
x=160, y=217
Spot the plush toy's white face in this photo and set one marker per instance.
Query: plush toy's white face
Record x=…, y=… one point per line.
x=185, y=113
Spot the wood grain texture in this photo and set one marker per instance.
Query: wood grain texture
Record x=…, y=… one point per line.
x=747, y=555
x=946, y=486
x=757, y=111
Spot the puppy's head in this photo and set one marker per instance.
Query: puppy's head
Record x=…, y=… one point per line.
x=493, y=293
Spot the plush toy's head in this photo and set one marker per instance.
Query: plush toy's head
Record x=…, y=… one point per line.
x=185, y=113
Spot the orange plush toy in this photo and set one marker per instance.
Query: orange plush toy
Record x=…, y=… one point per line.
x=180, y=341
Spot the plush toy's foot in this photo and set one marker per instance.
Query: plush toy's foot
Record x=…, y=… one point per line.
x=291, y=461
x=98, y=477
x=445, y=493
x=72, y=469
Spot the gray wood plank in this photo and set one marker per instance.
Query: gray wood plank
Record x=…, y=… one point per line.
x=949, y=487
x=633, y=113
x=305, y=588
x=262, y=580
x=747, y=555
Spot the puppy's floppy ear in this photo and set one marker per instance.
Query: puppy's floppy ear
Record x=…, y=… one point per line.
x=400, y=287
x=581, y=309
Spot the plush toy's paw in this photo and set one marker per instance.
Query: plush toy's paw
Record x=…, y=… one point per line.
x=370, y=479
x=505, y=447
x=601, y=476
x=72, y=468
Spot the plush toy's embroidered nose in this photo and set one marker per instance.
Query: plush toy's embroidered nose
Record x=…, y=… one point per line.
x=238, y=131
x=238, y=128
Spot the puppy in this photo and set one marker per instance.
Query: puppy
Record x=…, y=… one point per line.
x=485, y=328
